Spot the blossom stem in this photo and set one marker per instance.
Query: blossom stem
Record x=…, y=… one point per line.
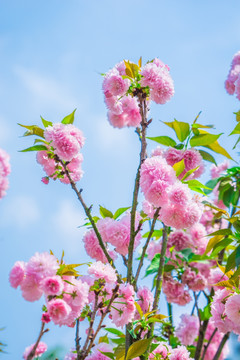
x=88, y=213
x=145, y=246
x=221, y=346
x=202, y=331
x=77, y=339
x=42, y=332
x=209, y=342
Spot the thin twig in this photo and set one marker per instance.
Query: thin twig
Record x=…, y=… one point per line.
x=42, y=332
x=209, y=342
x=221, y=346
x=77, y=340
x=202, y=331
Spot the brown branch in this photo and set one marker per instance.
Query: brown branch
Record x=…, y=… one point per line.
x=202, y=331
x=221, y=346
x=209, y=342
x=42, y=332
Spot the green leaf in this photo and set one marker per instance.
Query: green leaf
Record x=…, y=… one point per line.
x=203, y=139
x=45, y=122
x=206, y=312
x=196, y=183
x=189, y=173
x=69, y=119
x=138, y=348
x=211, y=185
x=179, y=167
x=236, y=225
x=237, y=115
x=221, y=245
x=153, y=267
x=236, y=130
x=33, y=130
x=231, y=262
x=237, y=258
x=207, y=157
x=35, y=148
x=163, y=140
x=115, y=332
x=104, y=339
x=182, y=129
x=120, y=211
x=217, y=148
x=225, y=232
x=105, y=212
x=108, y=354
x=156, y=233
x=227, y=196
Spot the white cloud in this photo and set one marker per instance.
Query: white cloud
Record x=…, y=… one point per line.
x=45, y=89
x=21, y=211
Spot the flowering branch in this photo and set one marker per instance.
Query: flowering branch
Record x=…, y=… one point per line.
x=146, y=245
x=209, y=342
x=222, y=343
x=42, y=332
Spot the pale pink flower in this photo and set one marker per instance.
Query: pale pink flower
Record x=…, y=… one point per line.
x=180, y=353
x=216, y=171
x=173, y=156
x=175, y=216
x=195, y=282
x=4, y=172
x=232, y=308
x=163, y=89
x=192, y=159
x=42, y=265
x=17, y=273
x=157, y=193
x=103, y=271
x=157, y=152
x=145, y=299
x=148, y=208
x=187, y=331
x=114, y=83
x=113, y=103
x=92, y=246
x=52, y=285
x=216, y=275
x=98, y=350
x=163, y=349
x=179, y=239
x=77, y=293
x=192, y=214
x=75, y=169
x=30, y=288
x=48, y=164
x=121, y=68
x=123, y=309
x=58, y=310
x=153, y=249
x=131, y=110
x=66, y=140
x=41, y=349
x=117, y=120
x=71, y=355
x=219, y=317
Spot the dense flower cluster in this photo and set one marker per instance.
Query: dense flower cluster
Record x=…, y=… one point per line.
x=163, y=190
x=123, y=106
x=114, y=232
x=4, y=172
x=65, y=141
x=232, y=84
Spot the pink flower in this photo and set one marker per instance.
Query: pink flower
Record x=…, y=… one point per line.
x=58, y=310
x=192, y=214
x=17, y=273
x=179, y=239
x=216, y=276
x=123, y=309
x=153, y=249
x=75, y=169
x=103, y=271
x=157, y=193
x=92, y=246
x=98, y=350
x=41, y=349
x=52, y=285
x=179, y=193
x=163, y=89
x=163, y=349
x=145, y=299
x=45, y=180
x=187, y=330
x=195, y=282
x=71, y=355
x=157, y=152
x=232, y=308
x=30, y=288
x=4, y=172
x=77, y=293
x=48, y=164
x=220, y=320
x=180, y=353
x=41, y=266
x=216, y=171
x=114, y=83
x=116, y=120
x=45, y=318
x=192, y=159
x=173, y=156
x=66, y=140
x=173, y=215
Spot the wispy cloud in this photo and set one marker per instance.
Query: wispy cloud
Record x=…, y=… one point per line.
x=46, y=89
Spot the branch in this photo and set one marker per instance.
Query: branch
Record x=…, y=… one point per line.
x=221, y=346
x=146, y=245
x=42, y=332
x=202, y=331
x=209, y=342
x=77, y=339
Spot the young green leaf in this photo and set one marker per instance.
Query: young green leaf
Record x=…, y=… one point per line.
x=179, y=167
x=33, y=130
x=119, y=212
x=207, y=157
x=203, y=139
x=138, y=348
x=182, y=129
x=45, y=122
x=69, y=119
x=163, y=140
x=35, y=148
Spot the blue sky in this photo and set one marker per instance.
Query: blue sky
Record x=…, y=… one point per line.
x=51, y=54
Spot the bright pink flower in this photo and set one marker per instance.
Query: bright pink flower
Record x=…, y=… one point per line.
x=163, y=89
x=30, y=288
x=145, y=299
x=173, y=156
x=192, y=159
x=92, y=246
x=66, y=140
x=113, y=103
x=45, y=180
x=58, y=310
x=173, y=290
x=115, y=84
x=75, y=169
x=52, y=285
x=123, y=309
x=131, y=110
x=42, y=265
x=48, y=164
x=180, y=353
x=157, y=193
x=17, y=273
x=41, y=349
x=175, y=216
x=45, y=318
x=179, y=194
x=98, y=350
x=187, y=331
x=192, y=214
x=195, y=282
x=179, y=239
x=103, y=271
x=77, y=293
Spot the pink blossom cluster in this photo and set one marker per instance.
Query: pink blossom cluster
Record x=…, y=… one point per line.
x=175, y=291
x=65, y=300
x=144, y=299
x=4, y=172
x=188, y=331
x=98, y=350
x=225, y=311
x=156, y=76
x=41, y=349
x=65, y=141
x=163, y=190
x=123, y=109
x=114, y=232
x=166, y=352
x=232, y=83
